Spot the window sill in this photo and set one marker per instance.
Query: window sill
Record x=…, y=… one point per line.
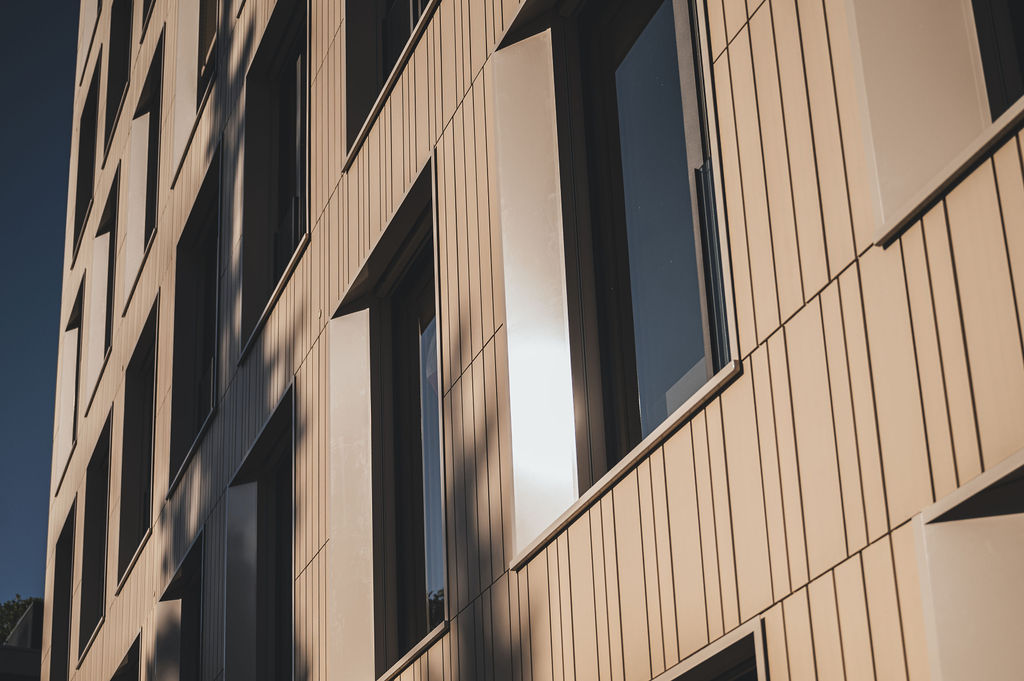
x=138, y=273
x=192, y=133
x=415, y=652
x=92, y=639
x=191, y=453
x=135, y=558
x=96, y=385
x=274, y=297
x=684, y=413
x=389, y=84
x=976, y=153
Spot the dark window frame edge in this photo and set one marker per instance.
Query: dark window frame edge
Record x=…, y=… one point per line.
x=200, y=110
x=138, y=274
x=122, y=580
x=92, y=639
x=754, y=627
x=418, y=650
x=191, y=453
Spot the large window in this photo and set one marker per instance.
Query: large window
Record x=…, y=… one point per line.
x=275, y=160
x=260, y=507
x=1000, y=25
x=179, y=636
x=86, y=176
x=94, y=541
x=207, y=47
x=119, y=62
x=137, y=446
x=646, y=306
x=377, y=32
x=60, y=618
x=408, y=464
x=194, y=377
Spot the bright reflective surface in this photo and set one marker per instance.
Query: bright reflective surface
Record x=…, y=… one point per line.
x=433, y=510
x=667, y=321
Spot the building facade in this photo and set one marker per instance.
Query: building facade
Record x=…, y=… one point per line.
x=541, y=339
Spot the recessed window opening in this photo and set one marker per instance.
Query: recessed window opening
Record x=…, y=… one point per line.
x=119, y=56
x=275, y=159
x=94, y=541
x=60, y=618
x=106, y=238
x=647, y=306
x=86, y=175
x=73, y=337
x=128, y=670
x=137, y=445
x=259, y=598
x=207, y=56
x=149, y=111
x=193, y=381
x=1000, y=25
x=179, y=630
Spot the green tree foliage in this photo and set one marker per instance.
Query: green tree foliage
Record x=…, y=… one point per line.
x=11, y=611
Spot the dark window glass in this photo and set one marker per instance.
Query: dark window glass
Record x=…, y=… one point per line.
x=75, y=327
x=275, y=160
x=193, y=388
x=86, y=157
x=94, y=540
x=119, y=56
x=736, y=662
x=1000, y=25
x=108, y=227
x=399, y=18
x=128, y=670
x=179, y=642
x=207, y=47
x=137, y=445
x=149, y=105
x=147, y=12
x=60, y=619
x=409, y=460
x=650, y=301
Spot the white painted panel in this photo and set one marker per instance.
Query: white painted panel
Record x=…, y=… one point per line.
x=542, y=421
x=350, y=501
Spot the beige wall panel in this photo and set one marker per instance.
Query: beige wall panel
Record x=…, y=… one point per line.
x=722, y=518
x=776, y=162
x=539, y=630
x=755, y=199
x=989, y=313
x=770, y=479
x=884, y=611
x=750, y=534
x=901, y=431
x=735, y=12
x=843, y=418
x=584, y=615
x=685, y=529
x=706, y=517
x=853, y=620
x=629, y=558
x=828, y=649
x=554, y=606
x=493, y=453
x=604, y=664
x=734, y=206
x=876, y=512
x=789, y=472
x=649, y=555
x=908, y=585
x=929, y=362
x=815, y=440
x=799, y=641
x=810, y=234
x=1011, y=199
x=775, y=644
x=480, y=479
x=616, y=622
x=480, y=184
x=663, y=543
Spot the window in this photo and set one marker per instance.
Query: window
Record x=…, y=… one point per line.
x=1000, y=25
x=137, y=446
x=70, y=383
x=147, y=12
x=377, y=33
x=408, y=464
x=119, y=62
x=60, y=618
x=87, y=122
x=647, y=306
x=128, y=670
x=94, y=541
x=179, y=620
x=193, y=380
x=971, y=557
x=100, y=308
x=275, y=160
x=143, y=174
x=259, y=555
x=733, y=658
x=207, y=64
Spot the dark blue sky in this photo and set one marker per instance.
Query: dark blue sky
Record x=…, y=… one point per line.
x=37, y=63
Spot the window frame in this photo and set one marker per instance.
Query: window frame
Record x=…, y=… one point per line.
x=87, y=637
x=112, y=112
x=608, y=426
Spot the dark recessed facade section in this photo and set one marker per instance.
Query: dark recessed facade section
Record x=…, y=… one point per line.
x=137, y=446
x=119, y=58
x=60, y=596
x=94, y=541
x=179, y=620
x=86, y=174
x=275, y=160
x=194, y=375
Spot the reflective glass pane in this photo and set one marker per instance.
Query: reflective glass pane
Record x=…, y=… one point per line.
x=664, y=283
x=433, y=511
